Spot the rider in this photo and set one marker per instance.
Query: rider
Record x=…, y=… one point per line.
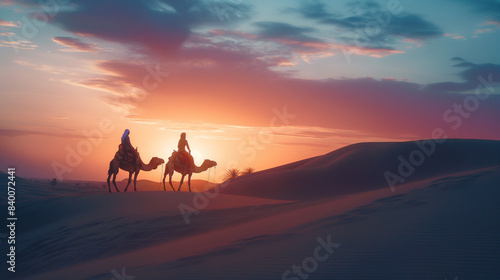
x=127, y=145
x=183, y=144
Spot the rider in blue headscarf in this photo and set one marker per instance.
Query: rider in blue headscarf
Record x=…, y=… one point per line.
x=127, y=145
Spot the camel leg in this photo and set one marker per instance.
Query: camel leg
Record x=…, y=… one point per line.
x=170, y=180
x=135, y=181
x=107, y=180
x=113, y=172
x=189, y=181
x=114, y=182
x=164, y=176
x=180, y=183
x=129, y=180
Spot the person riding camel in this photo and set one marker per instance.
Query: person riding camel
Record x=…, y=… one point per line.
x=127, y=146
x=182, y=145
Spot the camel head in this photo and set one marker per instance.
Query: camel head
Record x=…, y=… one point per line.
x=209, y=163
x=155, y=161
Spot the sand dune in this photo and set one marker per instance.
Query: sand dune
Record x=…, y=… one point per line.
x=441, y=223
x=148, y=185
x=361, y=167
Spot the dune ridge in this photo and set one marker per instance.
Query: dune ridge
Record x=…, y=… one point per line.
x=262, y=223
x=361, y=167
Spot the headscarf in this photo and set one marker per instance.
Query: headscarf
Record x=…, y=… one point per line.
x=125, y=133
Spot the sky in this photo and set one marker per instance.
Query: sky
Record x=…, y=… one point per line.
x=252, y=83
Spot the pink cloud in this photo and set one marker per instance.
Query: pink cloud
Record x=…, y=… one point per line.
x=386, y=107
x=6, y=2
x=416, y=42
x=494, y=22
x=454, y=36
x=305, y=49
x=233, y=33
x=17, y=44
x=480, y=31
x=76, y=44
x=19, y=132
x=8, y=23
x=373, y=52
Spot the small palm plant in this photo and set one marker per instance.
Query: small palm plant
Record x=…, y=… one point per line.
x=248, y=170
x=231, y=173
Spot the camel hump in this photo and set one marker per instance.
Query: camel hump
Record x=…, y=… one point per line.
x=180, y=159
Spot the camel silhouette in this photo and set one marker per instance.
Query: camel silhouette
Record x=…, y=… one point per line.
x=174, y=164
x=116, y=164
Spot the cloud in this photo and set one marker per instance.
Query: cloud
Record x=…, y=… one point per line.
x=18, y=133
x=367, y=23
x=279, y=30
x=458, y=59
x=489, y=8
x=76, y=44
x=287, y=42
x=7, y=2
x=154, y=27
x=8, y=23
x=126, y=22
x=320, y=133
x=218, y=12
x=383, y=108
x=231, y=33
x=413, y=27
x=295, y=38
x=484, y=30
x=219, y=72
x=302, y=145
x=471, y=74
x=300, y=42
x=16, y=43
x=327, y=139
x=127, y=83
x=12, y=40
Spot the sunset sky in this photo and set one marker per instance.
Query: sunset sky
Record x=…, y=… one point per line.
x=252, y=83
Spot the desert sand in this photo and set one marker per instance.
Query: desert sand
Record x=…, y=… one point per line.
x=442, y=222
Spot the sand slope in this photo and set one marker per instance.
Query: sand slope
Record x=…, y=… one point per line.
x=444, y=223
x=361, y=167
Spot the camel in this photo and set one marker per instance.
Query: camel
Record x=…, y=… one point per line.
x=174, y=164
x=117, y=163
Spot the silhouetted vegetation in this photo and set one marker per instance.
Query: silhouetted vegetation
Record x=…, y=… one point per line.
x=231, y=173
x=248, y=170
